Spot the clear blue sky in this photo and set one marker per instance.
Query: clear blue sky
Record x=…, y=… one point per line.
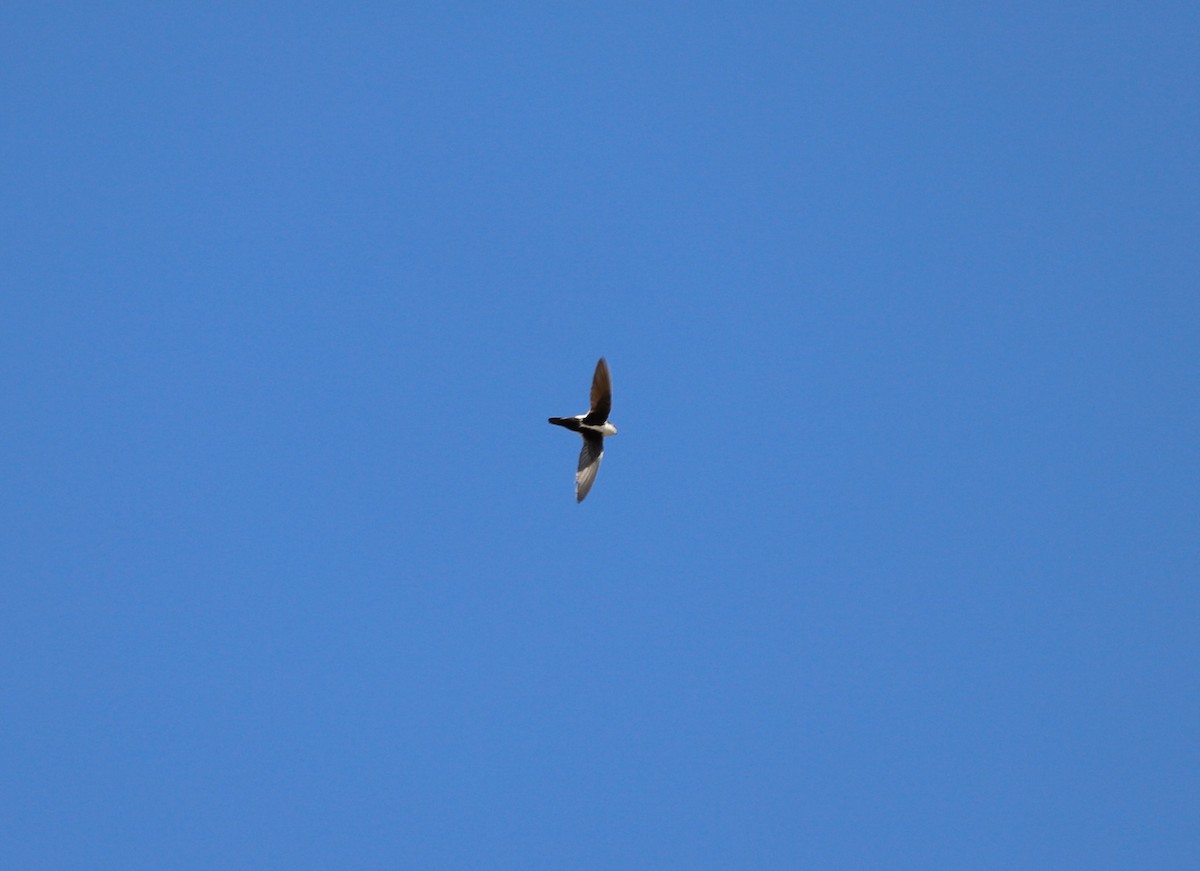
x=893, y=564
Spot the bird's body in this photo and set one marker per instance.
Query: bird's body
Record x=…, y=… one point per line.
x=593, y=426
x=576, y=424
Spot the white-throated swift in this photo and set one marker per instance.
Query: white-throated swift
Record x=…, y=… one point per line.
x=593, y=426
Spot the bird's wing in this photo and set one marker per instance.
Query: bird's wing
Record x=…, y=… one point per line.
x=601, y=395
x=589, y=464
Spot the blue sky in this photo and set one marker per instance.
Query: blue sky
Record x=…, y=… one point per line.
x=894, y=561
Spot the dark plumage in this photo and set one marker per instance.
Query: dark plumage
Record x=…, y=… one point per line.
x=593, y=426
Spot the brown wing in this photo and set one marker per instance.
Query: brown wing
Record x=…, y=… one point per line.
x=589, y=464
x=601, y=395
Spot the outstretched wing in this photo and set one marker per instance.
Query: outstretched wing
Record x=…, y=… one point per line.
x=601, y=395
x=589, y=464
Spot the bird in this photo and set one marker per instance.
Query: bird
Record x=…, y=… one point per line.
x=593, y=426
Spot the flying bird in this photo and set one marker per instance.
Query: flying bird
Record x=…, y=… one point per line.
x=593, y=426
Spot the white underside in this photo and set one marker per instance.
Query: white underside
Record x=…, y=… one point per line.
x=605, y=429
